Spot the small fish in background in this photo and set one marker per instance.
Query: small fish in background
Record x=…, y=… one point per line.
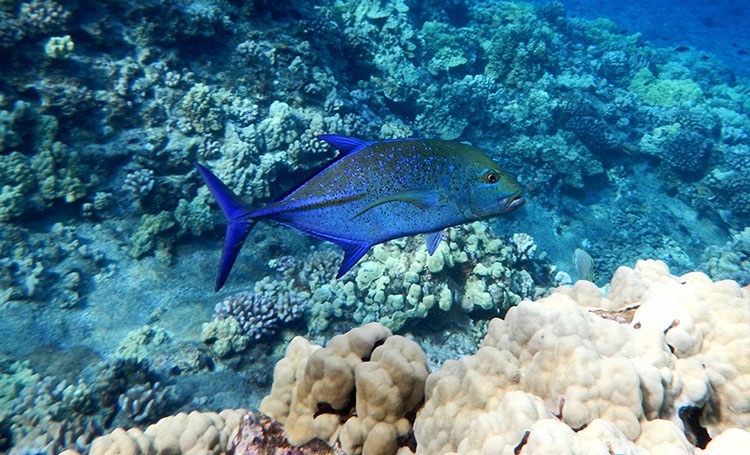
x=584, y=265
x=374, y=192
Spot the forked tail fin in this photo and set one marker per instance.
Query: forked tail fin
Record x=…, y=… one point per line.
x=238, y=223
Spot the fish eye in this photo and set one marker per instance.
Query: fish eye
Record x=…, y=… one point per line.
x=491, y=178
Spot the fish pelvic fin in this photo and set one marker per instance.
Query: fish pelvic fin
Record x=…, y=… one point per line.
x=239, y=223
x=424, y=199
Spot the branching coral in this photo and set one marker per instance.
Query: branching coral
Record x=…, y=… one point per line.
x=664, y=92
x=521, y=49
x=139, y=183
x=44, y=16
x=144, y=402
x=137, y=343
x=727, y=186
x=146, y=237
x=252, y=157
x=260, y=313
x=449, y=47
x=44, y=412
x=732, y=260
x=59, y=438
x=35, y=171
x=225, y=336
x=202, y=109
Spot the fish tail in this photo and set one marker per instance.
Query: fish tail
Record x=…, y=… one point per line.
x=239, y=223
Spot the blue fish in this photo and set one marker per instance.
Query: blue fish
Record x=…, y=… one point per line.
x=374, y=192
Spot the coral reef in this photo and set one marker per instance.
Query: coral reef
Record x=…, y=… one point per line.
x=732, y=260
x=624, y=149
x=44, y=413
x=472, y=269
x=254, y=434
x=225, y=337
x=147, y=236
x=142, y=403
x=554, y=375
x=188, y=434
x=59, y=47
x=262, y=436
x=59, y=437
x=313, y=389
x=659, y=363
x=137, y=343
x=260, y=313
x=571, y=96
x=47, y=267
x=36, y=170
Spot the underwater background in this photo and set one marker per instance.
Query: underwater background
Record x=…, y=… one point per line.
x=626, y=124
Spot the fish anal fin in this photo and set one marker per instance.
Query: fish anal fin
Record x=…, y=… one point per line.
x=432, y=239
x=353, y=252
x=424, y=199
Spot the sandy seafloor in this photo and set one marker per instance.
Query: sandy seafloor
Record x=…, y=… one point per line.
x=122, y=294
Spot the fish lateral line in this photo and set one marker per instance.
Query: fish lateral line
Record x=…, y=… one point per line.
x=278, y=208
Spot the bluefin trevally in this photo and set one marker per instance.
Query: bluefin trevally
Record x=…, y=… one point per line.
x=374, y=192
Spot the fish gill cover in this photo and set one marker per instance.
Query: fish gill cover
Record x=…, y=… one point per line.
x=109, y=239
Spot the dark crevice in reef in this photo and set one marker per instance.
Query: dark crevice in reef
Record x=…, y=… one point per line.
x=697, y=434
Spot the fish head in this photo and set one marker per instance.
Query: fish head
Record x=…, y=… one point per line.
x=493, y=191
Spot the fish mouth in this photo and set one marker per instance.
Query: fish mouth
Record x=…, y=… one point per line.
x=512, y=202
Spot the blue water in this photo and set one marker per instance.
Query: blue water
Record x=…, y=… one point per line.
x=630, y=138
x=720, y=27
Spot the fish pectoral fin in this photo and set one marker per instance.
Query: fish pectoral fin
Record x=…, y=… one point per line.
x=424, y=199
x=432, y=240
x=353, y=252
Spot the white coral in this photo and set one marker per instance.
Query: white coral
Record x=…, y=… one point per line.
x=623, y=384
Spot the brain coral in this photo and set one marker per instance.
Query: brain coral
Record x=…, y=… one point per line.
x=556, y=377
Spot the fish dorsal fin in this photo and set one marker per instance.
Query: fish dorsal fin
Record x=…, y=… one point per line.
x=353, y=252
x=433, y=241
x=424, y=199
x=347, y=145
